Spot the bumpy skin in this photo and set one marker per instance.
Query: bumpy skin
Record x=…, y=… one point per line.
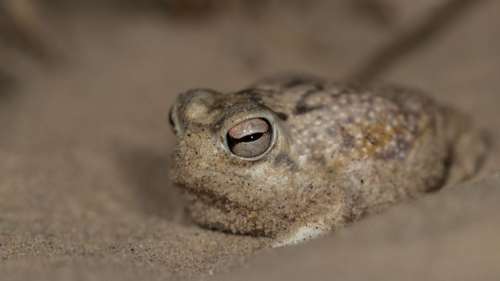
x=339, y=152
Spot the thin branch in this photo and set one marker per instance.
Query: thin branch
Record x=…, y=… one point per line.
x=415, y=38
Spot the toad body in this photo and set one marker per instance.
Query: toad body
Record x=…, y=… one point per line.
x=292, y=158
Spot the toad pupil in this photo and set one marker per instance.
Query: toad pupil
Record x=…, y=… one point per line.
x=250, y=138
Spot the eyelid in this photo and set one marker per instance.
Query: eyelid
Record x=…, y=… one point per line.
x=248, y=127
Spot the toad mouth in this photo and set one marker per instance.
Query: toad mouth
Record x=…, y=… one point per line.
x=211, y=199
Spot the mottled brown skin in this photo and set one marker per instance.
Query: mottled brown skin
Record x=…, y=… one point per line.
x=339, y=152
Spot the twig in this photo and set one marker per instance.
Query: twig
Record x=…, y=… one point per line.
x=414, y=38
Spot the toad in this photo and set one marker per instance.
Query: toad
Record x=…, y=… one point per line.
x=295, y=157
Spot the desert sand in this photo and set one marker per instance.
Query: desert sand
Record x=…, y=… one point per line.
x=84, y=187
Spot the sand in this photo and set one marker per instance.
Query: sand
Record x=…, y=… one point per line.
x=84, y=191
x=450, y=236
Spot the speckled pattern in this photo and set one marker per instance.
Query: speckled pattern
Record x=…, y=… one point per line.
x=339, y=152
x=330, y=120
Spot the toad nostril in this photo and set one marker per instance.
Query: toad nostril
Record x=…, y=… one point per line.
x=173, y=120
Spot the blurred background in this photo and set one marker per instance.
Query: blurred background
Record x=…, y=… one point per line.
x=85, y=88
x=43, y=29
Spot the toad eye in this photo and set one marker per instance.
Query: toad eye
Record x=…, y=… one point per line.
x=250, y=138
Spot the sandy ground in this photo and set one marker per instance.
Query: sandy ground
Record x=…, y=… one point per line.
x=84, y=192
x=450, y=236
